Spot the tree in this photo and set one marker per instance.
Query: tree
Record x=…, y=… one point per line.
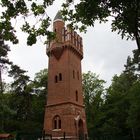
x=21, y=91
x=116, y=107
x=24, y=103
x=4, y=62
x=134, y=110
x=40, y=80
x=39, y=100
x=121, y=103
x=6, y=112
x=36, y=10
x=4, y=49
x=125, y=14
x=93, y=98
x=85, y=12
x=133, y=67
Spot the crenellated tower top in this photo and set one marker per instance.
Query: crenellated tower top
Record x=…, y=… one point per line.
x=65, y=38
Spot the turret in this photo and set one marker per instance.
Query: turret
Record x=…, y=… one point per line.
x=65, y=38
x=58, y=26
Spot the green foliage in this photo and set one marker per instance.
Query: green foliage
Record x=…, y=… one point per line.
x=20, y=79
x=11, y=10
x=91, y=87
x=134, y=110
x=121, y=100
x=116, y=107
x=133, y=65
x=93, y=98
x=5, y=111
x=114, y=114
x=4, y=61
x=125, y=15
x=41, y=78
x=23, y=106
x=39, y=100
x=20, y=91
x=85, y=13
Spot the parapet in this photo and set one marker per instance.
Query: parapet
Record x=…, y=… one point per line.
x=68, y=38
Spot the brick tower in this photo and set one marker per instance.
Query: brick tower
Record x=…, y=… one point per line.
x=64, y=112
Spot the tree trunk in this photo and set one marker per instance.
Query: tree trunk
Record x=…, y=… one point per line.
x=137, y=37
x=1, y=100
x=1, y=86
x=133, y=134
x=138, y=43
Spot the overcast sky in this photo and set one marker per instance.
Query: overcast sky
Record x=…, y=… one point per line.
x=105, y=53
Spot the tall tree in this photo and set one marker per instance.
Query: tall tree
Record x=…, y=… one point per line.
x=134, y=110
x=4, y=62
x=93, y=98
x=40, y=90
x=40, y=80
x=133, y=67
x=21, y=91
x=121, y=103
x=4, y=49
x=116, y=107
x=26, y=101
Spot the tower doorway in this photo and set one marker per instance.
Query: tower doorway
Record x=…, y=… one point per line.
x=80, y=130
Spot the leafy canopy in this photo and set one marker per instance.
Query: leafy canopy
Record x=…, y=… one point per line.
x=125, y=15
x=27, y=10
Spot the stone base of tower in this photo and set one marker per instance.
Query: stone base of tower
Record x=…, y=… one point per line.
x=65, y=120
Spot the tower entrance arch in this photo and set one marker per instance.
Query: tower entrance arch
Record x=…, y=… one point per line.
x=81, y=130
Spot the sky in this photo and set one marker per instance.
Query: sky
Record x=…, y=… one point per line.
x=105, y=53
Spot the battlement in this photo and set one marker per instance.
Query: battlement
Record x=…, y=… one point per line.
x=71, y=37
x=67, y=38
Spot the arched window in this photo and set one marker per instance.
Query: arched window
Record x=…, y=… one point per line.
x=76, y=96
x=56, y=79
x=60, y=76
x=56, y=122
x=63, y=34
